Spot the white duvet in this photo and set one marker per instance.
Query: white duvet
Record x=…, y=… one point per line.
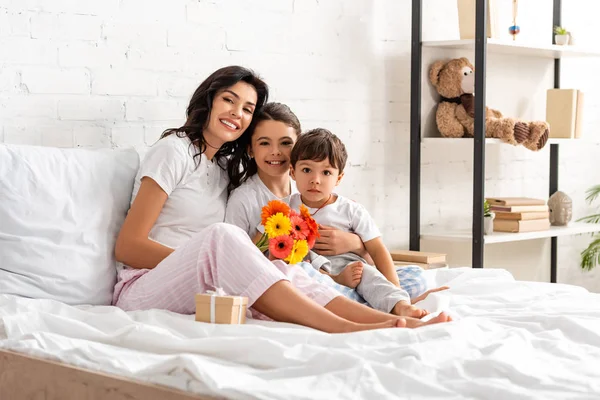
x=511, y=340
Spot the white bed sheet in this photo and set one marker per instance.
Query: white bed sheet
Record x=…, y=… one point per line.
x=511, y=340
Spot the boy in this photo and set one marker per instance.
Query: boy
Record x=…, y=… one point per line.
x=317, y=165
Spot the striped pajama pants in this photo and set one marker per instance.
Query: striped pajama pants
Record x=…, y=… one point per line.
x=222, y=255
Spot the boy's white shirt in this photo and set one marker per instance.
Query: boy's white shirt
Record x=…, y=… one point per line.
x=197, y=195
x=246, y=202
x=344, y=214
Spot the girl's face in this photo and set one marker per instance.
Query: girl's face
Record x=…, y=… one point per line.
x=231, y=114
x=271, y=147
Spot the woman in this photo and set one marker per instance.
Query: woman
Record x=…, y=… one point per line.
x=174, y=244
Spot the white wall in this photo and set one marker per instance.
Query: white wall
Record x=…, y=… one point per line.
x=118, y=72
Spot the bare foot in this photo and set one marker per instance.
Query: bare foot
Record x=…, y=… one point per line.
x=416, y=323
x=351, y=275
x=405, y=309
x=393, y=323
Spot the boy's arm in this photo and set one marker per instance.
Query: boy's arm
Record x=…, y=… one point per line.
x=382, y=259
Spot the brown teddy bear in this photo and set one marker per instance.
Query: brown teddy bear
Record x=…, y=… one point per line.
x=455, y=116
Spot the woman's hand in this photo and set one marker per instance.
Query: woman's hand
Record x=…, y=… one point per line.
x=334, y=241
x=424, y=295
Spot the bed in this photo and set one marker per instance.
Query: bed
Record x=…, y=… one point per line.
x=60, y=212
x=511, y=339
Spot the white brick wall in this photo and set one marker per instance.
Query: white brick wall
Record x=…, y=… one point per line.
x=119, y=72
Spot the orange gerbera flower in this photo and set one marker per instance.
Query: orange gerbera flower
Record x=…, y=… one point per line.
x=299, y=227
x=304, y=212
x=272, y=208
x=310, y=240
x=281, y=246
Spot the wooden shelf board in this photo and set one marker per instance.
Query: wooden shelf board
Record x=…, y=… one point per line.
x=573, y=228
x=520, y=49
x=465, y=140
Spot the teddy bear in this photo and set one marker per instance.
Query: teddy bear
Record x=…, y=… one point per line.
x=454, y=80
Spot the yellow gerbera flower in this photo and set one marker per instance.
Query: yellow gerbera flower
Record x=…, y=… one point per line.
x=278, y=225
x=299, y=251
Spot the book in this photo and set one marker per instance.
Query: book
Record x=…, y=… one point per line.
x=533, y=225
x=515, y=201
x=519, y=208
x=564, y=112
x=466, y=19
x=522, y=216
x=417, y=256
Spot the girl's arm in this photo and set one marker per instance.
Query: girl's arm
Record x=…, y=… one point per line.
x=133, y=247
x=334, y=241
x=383, y=259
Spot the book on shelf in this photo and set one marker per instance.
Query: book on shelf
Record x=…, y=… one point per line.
x=533, y=225
x=532, y=208
x=515, y=201
x=522, y=216
x=564, y=113
x=411, y=256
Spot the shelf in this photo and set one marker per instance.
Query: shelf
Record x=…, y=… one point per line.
x=518, y=49
x=469, y=140
x=573, y=228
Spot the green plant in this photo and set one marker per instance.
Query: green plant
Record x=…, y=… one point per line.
x=590, y=257
x=559, y=30
x=486, y=209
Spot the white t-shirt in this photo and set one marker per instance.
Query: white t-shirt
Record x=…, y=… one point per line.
x=246, y=202
x=344, y=214
x=197, y=194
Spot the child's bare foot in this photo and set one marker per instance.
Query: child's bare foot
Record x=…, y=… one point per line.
x=351, y=275
x=405, y=309
x=416, y=323
x=393, y=323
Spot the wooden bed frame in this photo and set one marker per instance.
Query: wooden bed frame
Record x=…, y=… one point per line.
x=26, y=377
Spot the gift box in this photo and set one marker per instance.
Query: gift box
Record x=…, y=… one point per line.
x=218, y=308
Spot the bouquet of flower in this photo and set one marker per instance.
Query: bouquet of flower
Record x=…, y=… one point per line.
x=289, y=235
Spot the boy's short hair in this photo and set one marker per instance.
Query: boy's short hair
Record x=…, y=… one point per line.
x=317, y=145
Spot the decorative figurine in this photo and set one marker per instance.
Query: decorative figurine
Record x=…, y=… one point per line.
x=561, y=209
x=514, y=29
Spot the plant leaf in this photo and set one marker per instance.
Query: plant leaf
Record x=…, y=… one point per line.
x=590, y=257
x=593, y=219
x=592, y=193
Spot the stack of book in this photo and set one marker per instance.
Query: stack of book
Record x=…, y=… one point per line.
x=519, y=214
x=423, y=259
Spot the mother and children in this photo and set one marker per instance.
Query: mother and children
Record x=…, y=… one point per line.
x=235, y=145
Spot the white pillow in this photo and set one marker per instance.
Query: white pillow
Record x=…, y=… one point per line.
x=60, y=213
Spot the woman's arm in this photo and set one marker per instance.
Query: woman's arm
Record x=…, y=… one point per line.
x=383, y=259
x=133, y=247
x=334, y=241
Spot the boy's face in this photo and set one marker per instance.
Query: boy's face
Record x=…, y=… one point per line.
x=315, y=181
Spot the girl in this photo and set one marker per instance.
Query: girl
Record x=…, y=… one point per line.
x=173, y=243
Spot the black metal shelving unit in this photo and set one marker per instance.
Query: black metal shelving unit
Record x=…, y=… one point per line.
x=477, y=256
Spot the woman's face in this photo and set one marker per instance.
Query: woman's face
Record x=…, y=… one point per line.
x=271, y=147
x=231, y=114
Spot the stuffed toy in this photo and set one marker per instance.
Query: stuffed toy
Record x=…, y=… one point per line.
x=455, y=116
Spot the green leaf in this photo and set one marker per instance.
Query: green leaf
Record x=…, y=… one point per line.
x=592, y=219
x=590, y=257
x=593, y=193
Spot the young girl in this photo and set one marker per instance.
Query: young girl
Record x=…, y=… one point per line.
x=174, y=244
